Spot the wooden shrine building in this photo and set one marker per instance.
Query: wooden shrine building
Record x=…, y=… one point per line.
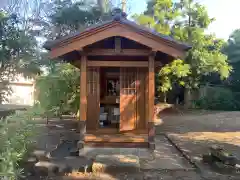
x=117, y=61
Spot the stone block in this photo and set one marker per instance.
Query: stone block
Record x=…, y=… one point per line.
x=224, y=156
x=80, y=144
x=151, y=145
x=29, y=163
x=45, y=168
x=40, y=155
x=208, y=158
x=74, y=152
x=224, y=168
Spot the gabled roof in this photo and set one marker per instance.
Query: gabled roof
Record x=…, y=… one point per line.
x=124, y=23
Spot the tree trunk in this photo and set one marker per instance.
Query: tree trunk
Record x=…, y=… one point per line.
x=187, y=98
x=165, y=97
x=100, y=4
x=124, y=5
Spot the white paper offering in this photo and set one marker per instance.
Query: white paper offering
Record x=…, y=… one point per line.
x=116, y=111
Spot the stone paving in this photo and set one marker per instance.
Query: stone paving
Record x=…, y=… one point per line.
x=165, y=157
x=165, y=163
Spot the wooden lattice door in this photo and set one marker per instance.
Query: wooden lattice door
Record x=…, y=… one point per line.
x=93, y=98
x=128, y=94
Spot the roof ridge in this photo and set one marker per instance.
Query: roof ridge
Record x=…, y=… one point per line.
x=49, y=44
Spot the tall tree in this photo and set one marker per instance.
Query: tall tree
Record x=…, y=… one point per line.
x=58, y=91
x=17, y=53
x=66, y=17
x=232, y=50
x=187, y=21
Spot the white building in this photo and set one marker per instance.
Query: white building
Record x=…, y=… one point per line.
x=22, y=91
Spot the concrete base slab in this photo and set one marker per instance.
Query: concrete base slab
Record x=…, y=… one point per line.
x=116, y=164
x=165, y=156
x=92, y=152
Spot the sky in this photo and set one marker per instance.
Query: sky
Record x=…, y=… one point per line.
x=226, y=12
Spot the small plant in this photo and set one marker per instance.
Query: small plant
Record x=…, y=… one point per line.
x=16, y=138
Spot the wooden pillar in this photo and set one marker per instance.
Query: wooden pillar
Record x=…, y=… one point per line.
x=151, y=95
x=83, y=96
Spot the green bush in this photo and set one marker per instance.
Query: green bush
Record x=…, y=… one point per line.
x=218, y=99
x=58, y=91
x=16, y=139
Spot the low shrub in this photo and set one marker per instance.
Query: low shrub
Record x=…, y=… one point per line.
x=218, y=99
x=58, y=92
x=16, y=140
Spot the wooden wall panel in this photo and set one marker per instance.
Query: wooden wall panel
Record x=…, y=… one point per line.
x=146, y=98
x=128, y=103
x=132, y=100
x=93, y=98
x=141, y=110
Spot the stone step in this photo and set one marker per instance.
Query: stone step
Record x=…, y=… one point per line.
x=74, y=152
x=45, y=168
x=116, y=164
x=80, y=144
x=77, y=164
x=41, y=155
x=63, y=166
x=63, y=149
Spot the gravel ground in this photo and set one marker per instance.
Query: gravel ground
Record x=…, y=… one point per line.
x=196, y=131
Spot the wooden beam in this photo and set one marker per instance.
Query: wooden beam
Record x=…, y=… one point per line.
x=117, y=64
x=83, y=89
x=114, y=52
x=118, y=144
x=151, y=85
x=76, y=64
x=151, y=95
x=116, y=137
x=121, y=64
x=118, y=45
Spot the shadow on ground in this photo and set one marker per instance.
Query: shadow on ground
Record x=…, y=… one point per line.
x=167, y=157
x=195, y=132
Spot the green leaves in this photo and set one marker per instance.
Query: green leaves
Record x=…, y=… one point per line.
x=218, y=98
x=176, y=68
x=68, y=17
x=16, y=139
x=187, y=21
x=232, y=50
x=174, y=72
x=18, y=54
x=58, y=91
